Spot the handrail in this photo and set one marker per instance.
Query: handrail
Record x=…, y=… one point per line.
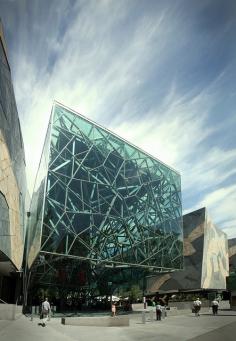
x=3, y=301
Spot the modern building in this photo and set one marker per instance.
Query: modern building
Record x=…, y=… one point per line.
x=12, y=184
x=232, y=254
x=103, y=212
x=206, y=260
x=231, y=280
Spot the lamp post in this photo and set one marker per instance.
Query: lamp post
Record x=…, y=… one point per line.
x=144, y=297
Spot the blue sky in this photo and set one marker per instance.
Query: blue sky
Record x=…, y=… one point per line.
x=161, y=74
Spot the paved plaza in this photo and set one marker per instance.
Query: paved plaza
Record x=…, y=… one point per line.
x=178, y=328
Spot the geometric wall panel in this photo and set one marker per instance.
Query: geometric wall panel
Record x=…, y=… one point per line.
x=99, y=198
x=205, y=258
x=232, y=254
x=12, y=172
x=215, y=264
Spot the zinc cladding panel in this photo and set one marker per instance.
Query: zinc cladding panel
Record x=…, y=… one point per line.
x=215, y=257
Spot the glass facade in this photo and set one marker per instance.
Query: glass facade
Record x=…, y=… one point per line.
x=101, y=203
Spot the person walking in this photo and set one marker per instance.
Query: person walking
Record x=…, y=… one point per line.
x=153, y=305
x=215, y=307
x=45, y=311
x=197, y=306
x=163, y=312
x=113, y=309
x=158, y=311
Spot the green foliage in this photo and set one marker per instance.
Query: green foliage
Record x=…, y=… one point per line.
x=135, y=293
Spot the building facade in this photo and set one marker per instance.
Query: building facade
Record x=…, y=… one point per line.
x=231, y=280
x=12, y=182
x=232, y=254
x=102, y=209
x=206, y=260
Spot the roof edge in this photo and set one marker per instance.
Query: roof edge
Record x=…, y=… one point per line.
x=111, y=132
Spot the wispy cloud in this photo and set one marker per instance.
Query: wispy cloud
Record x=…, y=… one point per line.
x=179, y=138
x=147, y=71
x=222, y=203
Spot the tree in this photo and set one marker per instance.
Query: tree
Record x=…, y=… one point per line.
x=135, y=293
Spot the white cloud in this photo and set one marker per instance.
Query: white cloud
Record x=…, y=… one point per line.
x=178, y=139
x=87, y=75
x=223, y=203
x=102, y=66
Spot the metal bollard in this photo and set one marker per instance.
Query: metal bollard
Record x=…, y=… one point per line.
x=144, y=317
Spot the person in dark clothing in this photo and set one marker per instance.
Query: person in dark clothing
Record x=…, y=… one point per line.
x=158, y=311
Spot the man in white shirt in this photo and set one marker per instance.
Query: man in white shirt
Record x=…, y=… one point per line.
x=45, y=310
x=215, y=306
x=158, y=311
x=197, y=306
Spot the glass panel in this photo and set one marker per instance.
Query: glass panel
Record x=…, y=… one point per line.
x=107, y=202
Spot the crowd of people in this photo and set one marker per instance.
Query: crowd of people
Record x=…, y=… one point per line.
x=197, y=306
x=158, y=307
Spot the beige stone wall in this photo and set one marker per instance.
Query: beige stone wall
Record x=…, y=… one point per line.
x=215, y=263
x=9, y=188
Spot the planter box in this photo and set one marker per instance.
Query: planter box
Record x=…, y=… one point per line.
x=96, y=321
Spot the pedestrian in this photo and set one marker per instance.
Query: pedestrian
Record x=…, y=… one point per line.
x=197, y=306
x=163, y=312
x=158, y=311
x=113, y=309
x=215, y=306
x=45, y=311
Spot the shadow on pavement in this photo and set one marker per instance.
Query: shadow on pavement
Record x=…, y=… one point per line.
x=218, y=315
x=223, y=333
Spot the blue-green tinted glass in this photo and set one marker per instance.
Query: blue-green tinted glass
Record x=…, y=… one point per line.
x=106, y=200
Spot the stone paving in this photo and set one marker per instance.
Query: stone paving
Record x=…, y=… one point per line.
x=177, y=328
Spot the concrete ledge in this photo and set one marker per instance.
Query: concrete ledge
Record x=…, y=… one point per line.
x=175, y=312
x=10, y=311
x=187, y=304
x=97, y=321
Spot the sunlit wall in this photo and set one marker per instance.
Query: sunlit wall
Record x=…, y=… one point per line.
x=12, y=172
x=206, y=263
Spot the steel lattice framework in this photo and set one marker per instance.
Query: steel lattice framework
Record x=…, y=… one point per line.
x=105, y=200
